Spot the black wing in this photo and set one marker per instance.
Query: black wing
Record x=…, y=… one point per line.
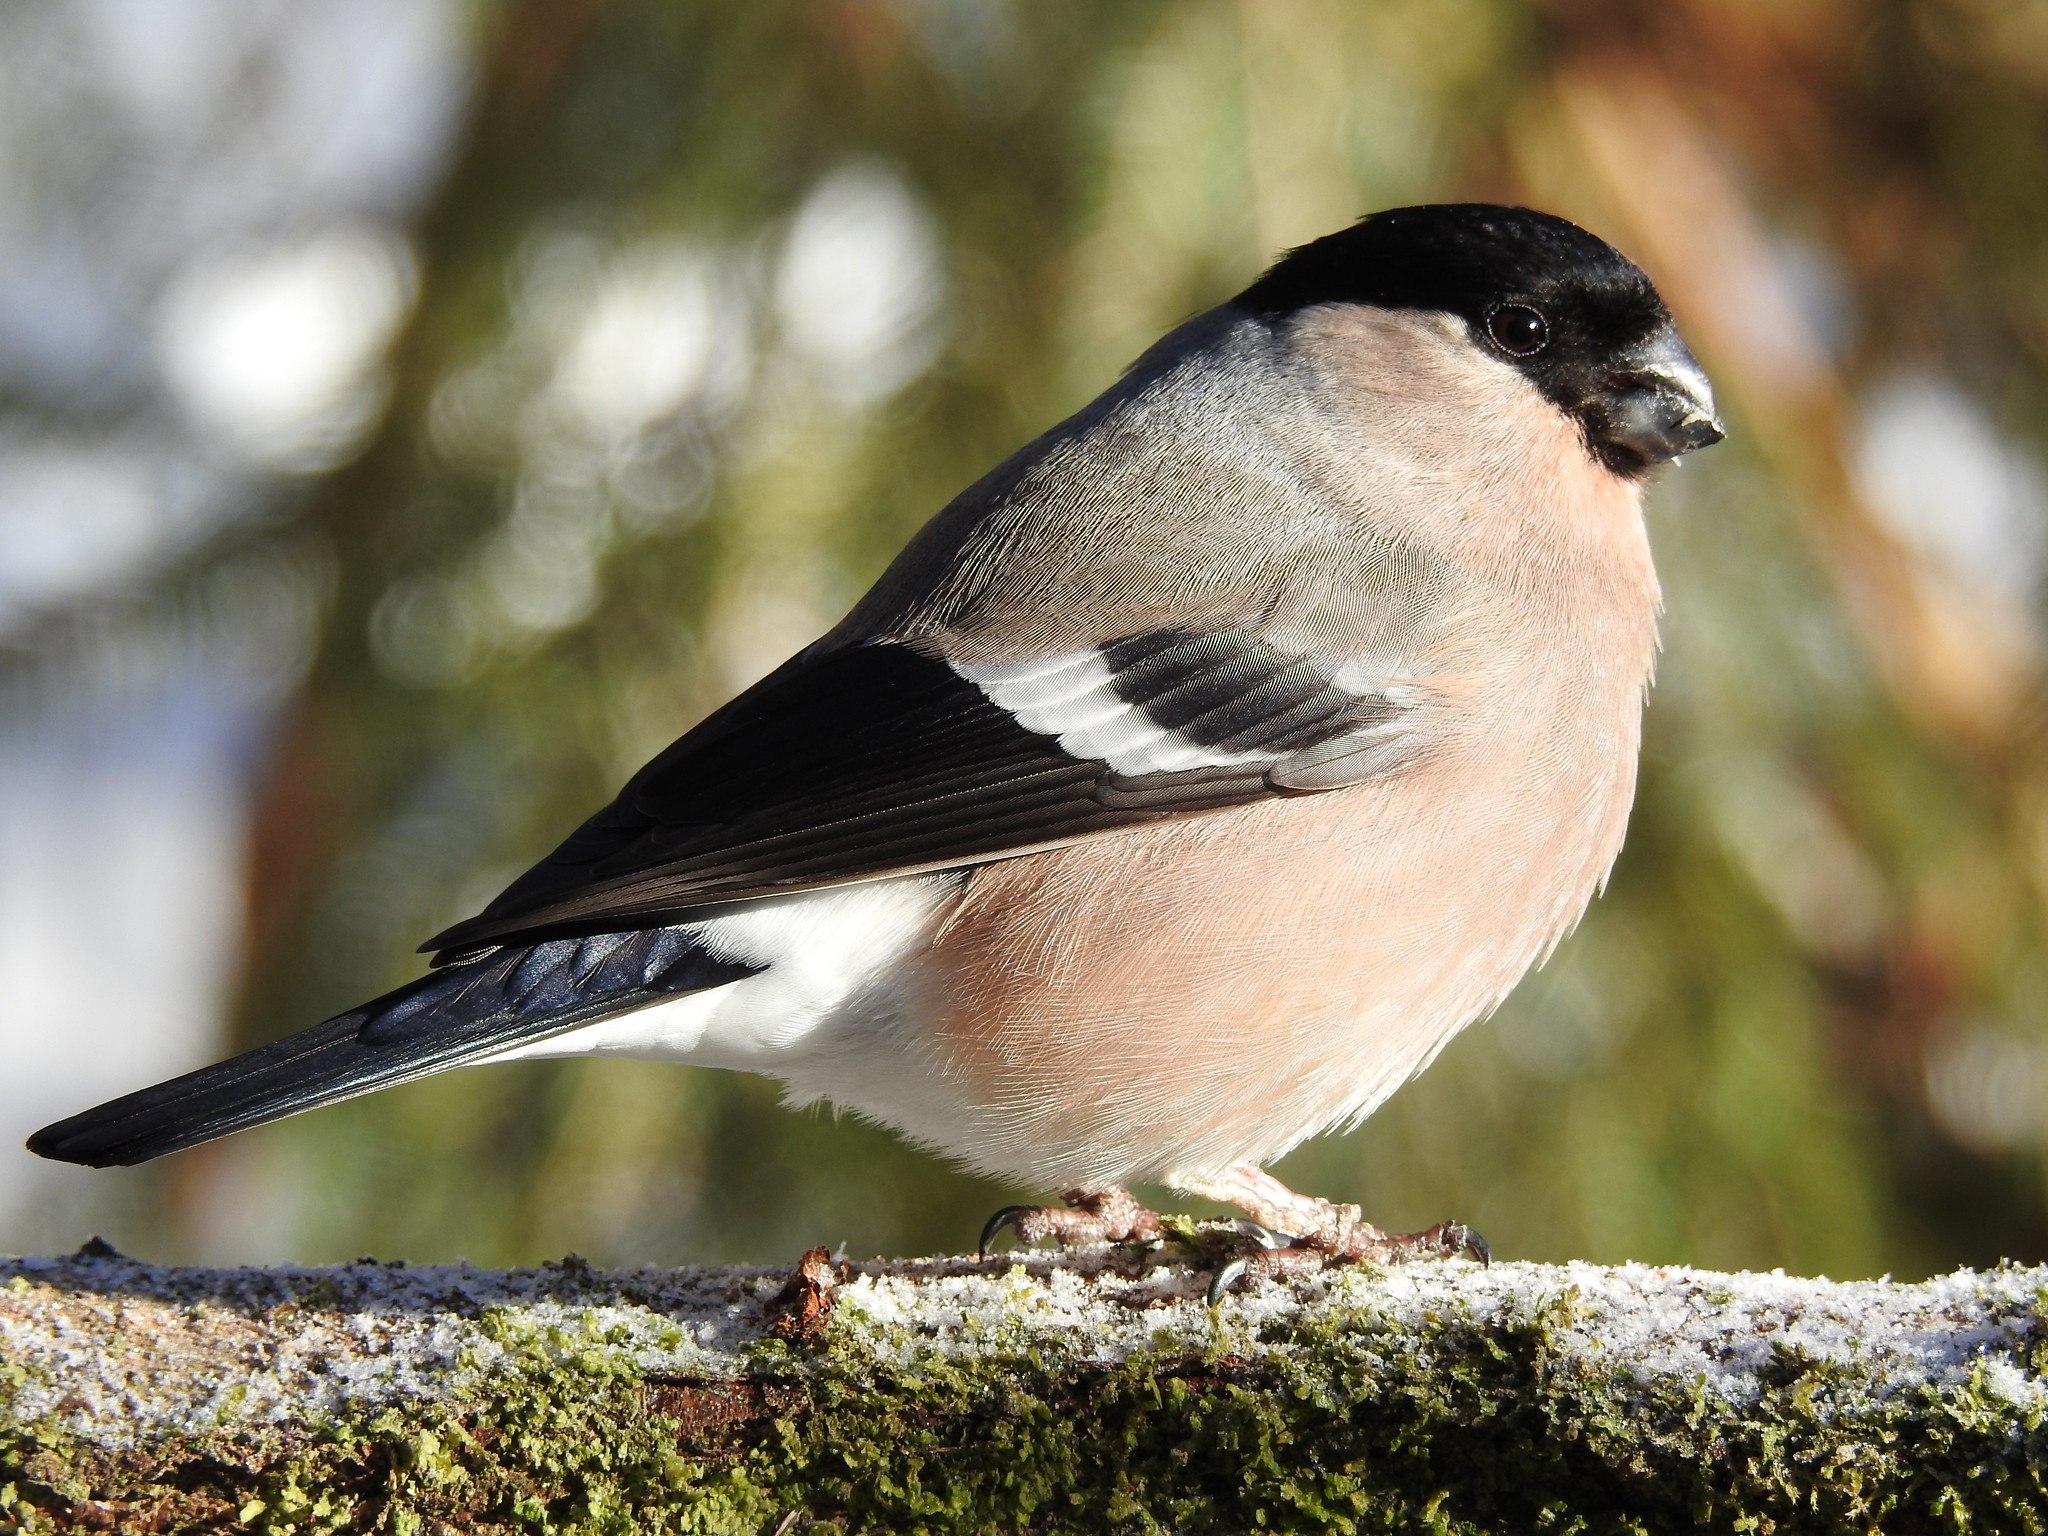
x=879, y=759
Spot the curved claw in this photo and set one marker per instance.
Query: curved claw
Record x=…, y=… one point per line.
x=1233, y=1270
x=1264, y=1236
x=1458, y=1238
x=1227, y=1274
x=1008, y=1216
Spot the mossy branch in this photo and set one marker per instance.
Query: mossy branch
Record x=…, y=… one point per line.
x=1015, y=1395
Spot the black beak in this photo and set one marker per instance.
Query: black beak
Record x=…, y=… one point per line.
x=1658, y=406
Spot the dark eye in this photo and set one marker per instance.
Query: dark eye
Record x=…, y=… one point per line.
x=1518, y=330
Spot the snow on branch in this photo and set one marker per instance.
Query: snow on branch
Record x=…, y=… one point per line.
x=1097, y=1392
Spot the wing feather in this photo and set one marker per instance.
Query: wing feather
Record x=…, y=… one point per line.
x=879, y=759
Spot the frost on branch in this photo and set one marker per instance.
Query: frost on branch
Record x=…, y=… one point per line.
x=950, y=1395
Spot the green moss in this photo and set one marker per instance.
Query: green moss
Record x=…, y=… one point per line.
x=1333, y=1423
x=36, y=1450
x=1475, y=1427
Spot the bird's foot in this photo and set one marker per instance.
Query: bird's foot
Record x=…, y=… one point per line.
x=1110, y=1215
x=1299, y=1234
x=1281, y=1254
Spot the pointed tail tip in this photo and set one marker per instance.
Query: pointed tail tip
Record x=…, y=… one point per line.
x=50, y=1142
x=73, y=1141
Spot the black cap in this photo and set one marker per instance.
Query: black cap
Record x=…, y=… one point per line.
x=1573, y=314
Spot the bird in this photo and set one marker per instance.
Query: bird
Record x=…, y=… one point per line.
x=1176, y=794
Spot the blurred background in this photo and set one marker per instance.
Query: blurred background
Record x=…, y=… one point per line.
x=414, y=413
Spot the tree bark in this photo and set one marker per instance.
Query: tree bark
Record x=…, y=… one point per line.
x=1096, y=1392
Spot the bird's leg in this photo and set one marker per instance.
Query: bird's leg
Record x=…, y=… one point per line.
x=1110, y=1215
x=1322, y=1230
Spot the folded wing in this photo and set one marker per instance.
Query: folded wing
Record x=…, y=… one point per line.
x=879, y=759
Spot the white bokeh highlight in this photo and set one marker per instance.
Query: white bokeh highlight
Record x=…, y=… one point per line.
x=860, y=284
x=1935, y=466
x=661, y=330
x=273, y=352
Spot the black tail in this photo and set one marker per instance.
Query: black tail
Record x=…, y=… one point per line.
x=466, y=1009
